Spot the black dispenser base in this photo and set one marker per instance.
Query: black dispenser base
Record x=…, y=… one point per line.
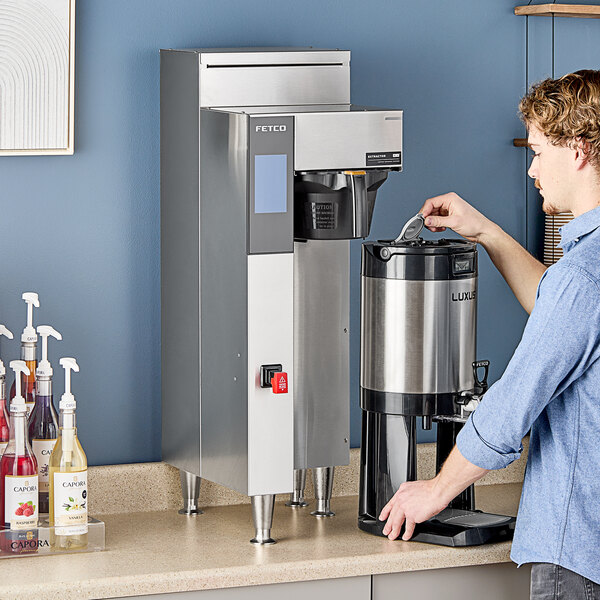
x=454, y=527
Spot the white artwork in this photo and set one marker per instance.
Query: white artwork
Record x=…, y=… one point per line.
x=37, y=41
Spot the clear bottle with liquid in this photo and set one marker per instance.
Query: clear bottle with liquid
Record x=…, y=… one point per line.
x=28, y=354
x=43, y=420
x=68, y=476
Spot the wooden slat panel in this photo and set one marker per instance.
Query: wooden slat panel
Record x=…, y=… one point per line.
x=583, y=11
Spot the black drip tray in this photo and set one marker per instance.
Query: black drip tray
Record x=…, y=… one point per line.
x=454, y=527
x=469, y=518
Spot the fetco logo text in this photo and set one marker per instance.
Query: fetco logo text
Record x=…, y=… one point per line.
x=268, y=128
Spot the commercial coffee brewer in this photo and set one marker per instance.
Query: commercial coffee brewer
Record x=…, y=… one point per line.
x=267, y=172
x=418, y=344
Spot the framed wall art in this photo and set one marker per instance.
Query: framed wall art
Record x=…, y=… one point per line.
x=37, y=69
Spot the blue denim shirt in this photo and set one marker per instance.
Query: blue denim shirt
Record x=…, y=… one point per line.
x=552, y=386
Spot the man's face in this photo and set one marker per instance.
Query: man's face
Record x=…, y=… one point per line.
x=552, y=169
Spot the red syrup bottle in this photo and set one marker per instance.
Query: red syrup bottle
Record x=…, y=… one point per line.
x=19, y=479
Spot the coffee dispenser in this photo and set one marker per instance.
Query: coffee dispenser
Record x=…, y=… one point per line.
x=418, y=350
x=267, y=172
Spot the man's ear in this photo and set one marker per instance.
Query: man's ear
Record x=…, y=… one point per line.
x=582, y=152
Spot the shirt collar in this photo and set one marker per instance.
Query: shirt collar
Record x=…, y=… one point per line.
x=579, y=226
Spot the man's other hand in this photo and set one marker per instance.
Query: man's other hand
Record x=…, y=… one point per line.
x=414, y=502
x=450, y=210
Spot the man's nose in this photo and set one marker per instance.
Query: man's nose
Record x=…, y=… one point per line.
x=532, y=171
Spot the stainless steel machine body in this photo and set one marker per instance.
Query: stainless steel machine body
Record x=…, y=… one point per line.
x=418, y=336
x=267, y=171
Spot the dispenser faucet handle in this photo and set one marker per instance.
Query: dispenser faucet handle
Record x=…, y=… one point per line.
x=481, y=385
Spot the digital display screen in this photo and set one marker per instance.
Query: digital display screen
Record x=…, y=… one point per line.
x=270, y=183
x=462, y=265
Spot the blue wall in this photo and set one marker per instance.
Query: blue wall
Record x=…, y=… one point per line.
x=83, y=231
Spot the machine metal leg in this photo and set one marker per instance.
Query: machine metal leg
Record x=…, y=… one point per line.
x=262, y=515
x=297, y=496
x=323, y=481
x=190, y=490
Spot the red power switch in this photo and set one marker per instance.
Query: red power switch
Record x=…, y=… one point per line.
x=279, y=383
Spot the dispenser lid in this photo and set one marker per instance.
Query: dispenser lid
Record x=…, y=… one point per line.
x=421, y=246
x=419, y=259
x=412, y=228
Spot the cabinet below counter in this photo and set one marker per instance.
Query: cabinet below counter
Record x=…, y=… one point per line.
x=157, y=553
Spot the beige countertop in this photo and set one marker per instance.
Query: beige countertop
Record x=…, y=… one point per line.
x=159, y=552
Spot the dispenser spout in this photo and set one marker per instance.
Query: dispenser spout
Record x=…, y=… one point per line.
x=29, y=334
x=358, y=186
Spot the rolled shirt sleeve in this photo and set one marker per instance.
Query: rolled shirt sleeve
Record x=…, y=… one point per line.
x=557, y=347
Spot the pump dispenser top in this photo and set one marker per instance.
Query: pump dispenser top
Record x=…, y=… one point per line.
x=67, y=407
x=29, y=335
x=67, y=400
x=44, y=368
x=9, y=335
x=17, y=405
x=4, y=419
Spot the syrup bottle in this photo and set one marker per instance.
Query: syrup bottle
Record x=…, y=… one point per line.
x=68, y=475
x=4, y=421
x=43, y=420
x=18, y=478
x=28, y=353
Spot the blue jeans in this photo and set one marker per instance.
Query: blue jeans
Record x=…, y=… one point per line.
x=553, y=582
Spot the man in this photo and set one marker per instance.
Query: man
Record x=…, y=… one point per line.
x=552, y=383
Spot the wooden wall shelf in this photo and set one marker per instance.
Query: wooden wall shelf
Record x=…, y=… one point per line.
x=520, y=142
x=583, y=11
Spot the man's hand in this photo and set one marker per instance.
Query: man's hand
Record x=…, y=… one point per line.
x=414, y=502
x=417, y=501
x=450, y=210
x=521, y=271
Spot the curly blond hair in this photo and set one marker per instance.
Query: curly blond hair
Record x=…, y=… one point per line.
x=567, y=110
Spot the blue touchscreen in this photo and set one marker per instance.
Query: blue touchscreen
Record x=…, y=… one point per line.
x=270, y=183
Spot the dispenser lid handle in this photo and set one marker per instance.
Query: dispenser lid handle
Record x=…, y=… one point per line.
x=412, y=228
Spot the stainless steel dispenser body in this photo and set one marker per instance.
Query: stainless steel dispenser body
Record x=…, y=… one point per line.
x=418, y=337
x=418, y=345
x=241, y=287
x=418, y=328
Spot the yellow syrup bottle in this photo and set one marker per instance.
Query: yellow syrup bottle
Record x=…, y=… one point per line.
x=68, y=476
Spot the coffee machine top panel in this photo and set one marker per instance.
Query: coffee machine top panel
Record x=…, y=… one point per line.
x=272, y=76
x=345, y=138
